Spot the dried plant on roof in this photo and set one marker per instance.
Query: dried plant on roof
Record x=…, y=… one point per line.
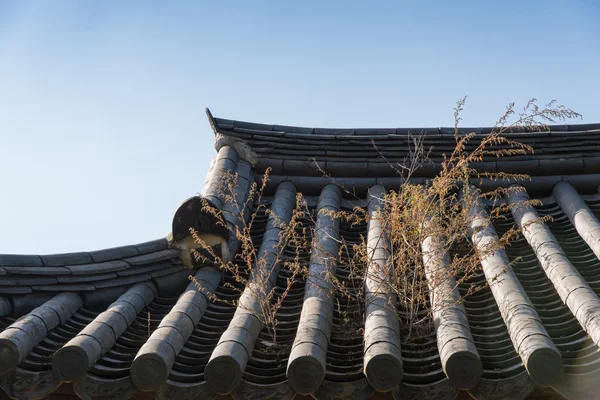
x=425, y=235
x=430, y=251
x=263, y=276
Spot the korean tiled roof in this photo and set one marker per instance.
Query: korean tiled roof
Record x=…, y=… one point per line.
x=121, y=322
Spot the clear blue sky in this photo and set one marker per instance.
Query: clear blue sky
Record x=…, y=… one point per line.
x=102, y=125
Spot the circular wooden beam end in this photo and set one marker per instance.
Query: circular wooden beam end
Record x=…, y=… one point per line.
x=9, y=354
x=149, y=371
x=223, y=374
x=384, y=372
x=70, y=363
x=545, y=366
x=464, y=369
x=305, y=374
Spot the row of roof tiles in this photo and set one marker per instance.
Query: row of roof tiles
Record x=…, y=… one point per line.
x=358, y=153
x=223, y=124
x=24, y=274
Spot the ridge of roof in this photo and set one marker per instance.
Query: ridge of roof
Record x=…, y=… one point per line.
x=356, y=154
x=223, y=125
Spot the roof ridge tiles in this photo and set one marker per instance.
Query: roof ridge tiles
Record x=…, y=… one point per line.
x=225, y=124
x=25, y=260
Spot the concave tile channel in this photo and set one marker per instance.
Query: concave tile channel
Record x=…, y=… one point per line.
x=579, y=353
x=267, y=365
x=116, y=363
x=496, y=350
x=419, y=348
x=492, y=340
x=190, y=363
x=345, y=351
x=577, y=251
x=420, y=356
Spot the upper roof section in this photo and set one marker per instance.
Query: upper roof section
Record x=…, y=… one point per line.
x=293, y=151
x=245, y=129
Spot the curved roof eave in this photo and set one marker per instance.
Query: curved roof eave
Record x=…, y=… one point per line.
x=85, y=272
x=243, y=128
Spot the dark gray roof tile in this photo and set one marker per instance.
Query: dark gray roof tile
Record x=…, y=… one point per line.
x=74, y=287
x=560, y=128
x=334, y=132
x=136, y=270
x=5, y=306
x=152, y=246
x=153, y=257
x=252, y=126
x=14, y=280
x=115, y=253
x=85, y=278
x=222, y=122
x=583, y=127
x=304, y=167
x=173, y=283
x=375, y=131
x=122, y=281
x=96, y=268
x=341, y=168
x=22, y=304
x=248, y=133
x=434, y=132
x=275, y=165
x=567, y=166
x=100, y=299
x=57, y=260
x=293, y=129
x=170, y=270
x=37, y=270
x=21, y=260
x=591, y=164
